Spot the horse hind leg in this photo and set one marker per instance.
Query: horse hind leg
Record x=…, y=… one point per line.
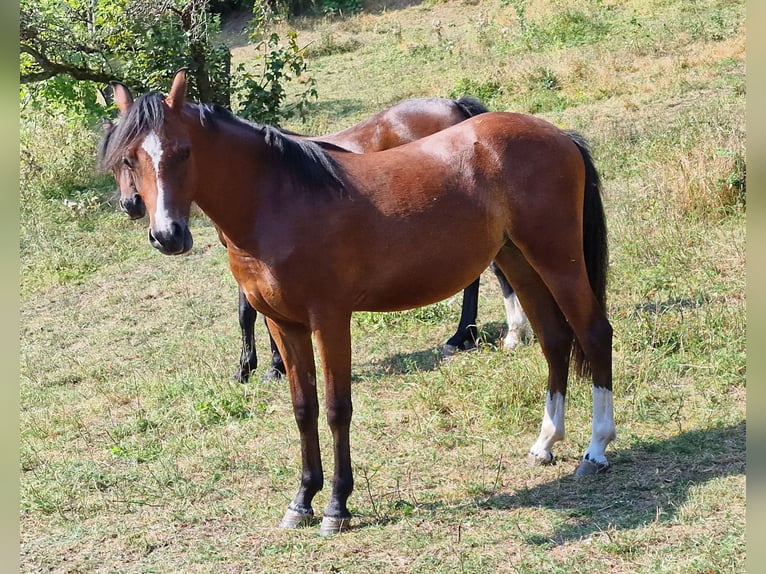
x=594, y=335
x=555, y=338
x=571, y=289
x=519, y=329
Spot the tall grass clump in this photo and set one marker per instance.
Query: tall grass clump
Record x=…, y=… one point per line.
x=698, y=163
x=64, y=201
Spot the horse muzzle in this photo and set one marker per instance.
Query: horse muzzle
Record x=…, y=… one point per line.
x=175, y=241
x=133, y=206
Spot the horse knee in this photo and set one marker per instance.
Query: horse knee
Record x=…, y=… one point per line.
x=339, y=414
x=306, y=414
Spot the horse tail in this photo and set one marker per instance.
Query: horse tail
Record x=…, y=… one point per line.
x=595, y=245
x=470, y=106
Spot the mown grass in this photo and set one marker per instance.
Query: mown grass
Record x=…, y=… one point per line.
x=139, y=454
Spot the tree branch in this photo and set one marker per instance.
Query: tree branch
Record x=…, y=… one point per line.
x=49, y=69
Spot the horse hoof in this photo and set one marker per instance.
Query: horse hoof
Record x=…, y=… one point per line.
x=590, y=468
x=534, y=460
x=272, y=375
x=510, y=345
x=332, y=525
x=295, y=519
x=448, y=350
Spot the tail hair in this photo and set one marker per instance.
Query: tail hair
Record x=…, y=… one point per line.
x=595, y=243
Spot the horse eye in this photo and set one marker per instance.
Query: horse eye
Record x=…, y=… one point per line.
x=184, y=153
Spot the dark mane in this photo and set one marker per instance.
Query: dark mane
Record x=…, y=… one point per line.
x=307, y=163
x=146, y=114
x=470, y=106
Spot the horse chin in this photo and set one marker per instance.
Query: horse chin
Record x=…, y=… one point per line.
x=176, y=244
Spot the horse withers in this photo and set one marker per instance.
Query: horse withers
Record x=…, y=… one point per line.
x=314, y=235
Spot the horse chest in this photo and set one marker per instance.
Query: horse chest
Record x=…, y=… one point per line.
x=266, y=290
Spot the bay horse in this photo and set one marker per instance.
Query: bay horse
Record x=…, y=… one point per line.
x=402, y=123
x=315, y=234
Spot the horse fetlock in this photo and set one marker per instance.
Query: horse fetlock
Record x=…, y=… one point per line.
x=272, y=374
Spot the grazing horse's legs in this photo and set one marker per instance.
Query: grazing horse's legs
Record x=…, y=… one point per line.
x=277, y=369
x=519, y=329
x=466, y=334
x=248, y=360
x=294, y=341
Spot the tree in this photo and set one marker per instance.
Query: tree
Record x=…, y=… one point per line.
x=70, y=50
x=139, y=42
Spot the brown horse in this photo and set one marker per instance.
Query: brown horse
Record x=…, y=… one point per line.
x=405, y=122
x=314, y=235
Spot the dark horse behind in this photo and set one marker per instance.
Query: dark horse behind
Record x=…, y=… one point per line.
x=314, y=235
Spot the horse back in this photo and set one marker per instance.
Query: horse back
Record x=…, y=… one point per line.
x=405, y=122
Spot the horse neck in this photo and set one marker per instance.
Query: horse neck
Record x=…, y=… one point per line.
x=234, y=179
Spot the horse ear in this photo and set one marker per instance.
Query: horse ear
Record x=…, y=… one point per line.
x=122, y=96
x=178, y=90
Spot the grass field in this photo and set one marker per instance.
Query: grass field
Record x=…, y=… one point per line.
x=139, y=454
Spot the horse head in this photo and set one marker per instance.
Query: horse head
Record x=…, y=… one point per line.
x=149, y=153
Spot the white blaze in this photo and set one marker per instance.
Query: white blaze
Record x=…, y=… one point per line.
x=152, y=146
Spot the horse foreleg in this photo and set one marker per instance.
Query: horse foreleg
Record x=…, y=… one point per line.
x=466, y=334
x=248, y=361
x=294, y=342
x=333, y=338
x=519, y=329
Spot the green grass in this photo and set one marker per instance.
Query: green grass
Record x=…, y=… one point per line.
x=139, y=454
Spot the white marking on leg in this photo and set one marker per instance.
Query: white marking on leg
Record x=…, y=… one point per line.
x=552, y=429
x=604, y=430
x=519, y=329
x=162, y=219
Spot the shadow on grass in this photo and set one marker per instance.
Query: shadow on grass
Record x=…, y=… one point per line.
x=426, y=360
x=647, y=483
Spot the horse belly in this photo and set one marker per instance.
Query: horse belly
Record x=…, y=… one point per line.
x=424, y=268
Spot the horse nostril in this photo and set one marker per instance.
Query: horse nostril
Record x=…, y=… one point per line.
x=176, y=231
x=174, y=239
